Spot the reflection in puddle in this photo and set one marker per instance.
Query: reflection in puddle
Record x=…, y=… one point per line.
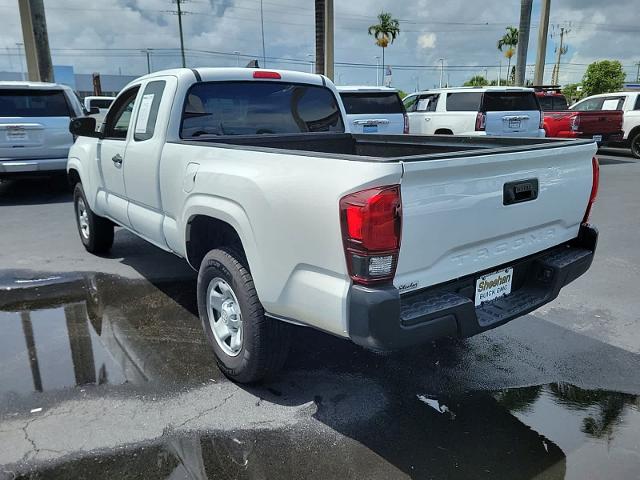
x=113, y=332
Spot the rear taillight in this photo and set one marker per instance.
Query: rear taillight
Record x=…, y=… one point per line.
x=594, y=189
x=405, y=130
x=481, y=119
x=575, y=123
x=541, y=125
x=371, y=223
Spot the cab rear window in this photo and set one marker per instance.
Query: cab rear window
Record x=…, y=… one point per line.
x=250, y=108
x=371, y=103
x=553, y=103
x=33, y=103
x=509, y=101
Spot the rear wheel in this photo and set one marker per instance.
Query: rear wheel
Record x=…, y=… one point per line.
x=635, y=145
x=248, y=346
x=96, y=233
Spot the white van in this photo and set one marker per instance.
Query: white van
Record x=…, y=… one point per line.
x=34, y=127
x=374, y=110
x=498, y=111
x=97, y=107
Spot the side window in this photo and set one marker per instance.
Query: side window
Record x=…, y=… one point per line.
x=464, y=102
x=148, y=111
x=613, y=103
x=637, y=107
x=410, y=103
x=117, y=122
x=589, y=105
x=428, y=103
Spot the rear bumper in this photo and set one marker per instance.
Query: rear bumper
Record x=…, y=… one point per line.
x=380, y=318
x=17, y=167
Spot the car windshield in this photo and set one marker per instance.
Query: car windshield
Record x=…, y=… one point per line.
x=553, y=103
x=33, y=103
x=249, y=108
x=356, y=103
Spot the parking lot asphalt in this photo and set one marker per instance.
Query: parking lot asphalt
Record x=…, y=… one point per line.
x=105, y=372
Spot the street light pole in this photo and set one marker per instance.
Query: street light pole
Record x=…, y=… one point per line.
x=311, y=62
x=237, y=54
x=264, y=54
x=20, y=48
x=184, y=63
x=441, y=60
x=377, y=71
x=148, y=52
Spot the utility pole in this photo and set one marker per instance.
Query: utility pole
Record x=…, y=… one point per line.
x=36, y=40
x=328, y=39
x=180, y=13
x=377, y=71
x=319, y=6
x=441, y=60
x=20, y=47
x=561, y=50
x=264, y=54
x=523, y=40
x=543, y=33
x=148, y=52
x=638, y=72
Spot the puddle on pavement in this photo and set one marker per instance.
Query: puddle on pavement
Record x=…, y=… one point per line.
x=551, y=432
x=108, y=331
x=101, y=330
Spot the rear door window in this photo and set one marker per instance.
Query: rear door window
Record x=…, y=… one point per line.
x=428, y=103
x=509, y=102
x=250, y=108
x=33, y=103
x=464, y=101
x=148, y=111
x=589, y=105
x=613, y=103
x=371, y=103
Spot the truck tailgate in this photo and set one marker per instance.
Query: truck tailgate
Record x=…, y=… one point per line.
x=600, y=122
x=456, y=223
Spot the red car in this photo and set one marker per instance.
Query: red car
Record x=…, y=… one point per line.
x=603, y=126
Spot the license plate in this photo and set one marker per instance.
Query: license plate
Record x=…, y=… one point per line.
x=493, y=285
x=370, y=129
x=514, y=123
x=16, y=133
x=597, y=138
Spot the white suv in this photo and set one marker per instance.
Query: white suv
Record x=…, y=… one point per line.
x=499, y=111
x=374, y=110
x=34, y=127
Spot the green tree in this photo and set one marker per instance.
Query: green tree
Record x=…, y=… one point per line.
x=603, y=77
x=385, y=32
x=509, y=41
x=476, y=81
x=402, y=93
x=571, y=92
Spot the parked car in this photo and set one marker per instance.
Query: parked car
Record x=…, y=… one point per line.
x=34, y=127
x=603, y=126
x=389, y=241
x=97, y=106
x=626, y=102
x=374, y=110
x=498, y=111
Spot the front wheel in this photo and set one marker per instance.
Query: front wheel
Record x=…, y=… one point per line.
x=635, y=145
x=248, y=346
x=96, y=232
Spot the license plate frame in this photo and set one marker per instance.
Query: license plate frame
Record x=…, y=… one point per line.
x=515, y=124
x=597, y=138
x=493, y=285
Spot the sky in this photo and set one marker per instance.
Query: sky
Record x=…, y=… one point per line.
x=111, y=36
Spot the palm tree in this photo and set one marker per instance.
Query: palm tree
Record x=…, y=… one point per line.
x=385, y=32
x=509, y=40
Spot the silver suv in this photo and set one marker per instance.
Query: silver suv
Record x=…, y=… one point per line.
x=34, y=127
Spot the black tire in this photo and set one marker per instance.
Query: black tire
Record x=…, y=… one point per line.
x=635, y=144
x=99, y=237
x=265, y=342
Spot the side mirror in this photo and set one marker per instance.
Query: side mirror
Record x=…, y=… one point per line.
x=94, y=111
x=84, y=127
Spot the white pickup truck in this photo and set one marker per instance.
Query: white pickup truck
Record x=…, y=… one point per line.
x=388, y=240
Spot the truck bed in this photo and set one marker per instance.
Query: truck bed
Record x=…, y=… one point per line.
x=381, y=148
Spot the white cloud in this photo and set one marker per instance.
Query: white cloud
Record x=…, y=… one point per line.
x=427, y=40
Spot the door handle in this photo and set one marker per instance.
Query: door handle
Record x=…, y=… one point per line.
x=427, y=119
x=117, y=159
